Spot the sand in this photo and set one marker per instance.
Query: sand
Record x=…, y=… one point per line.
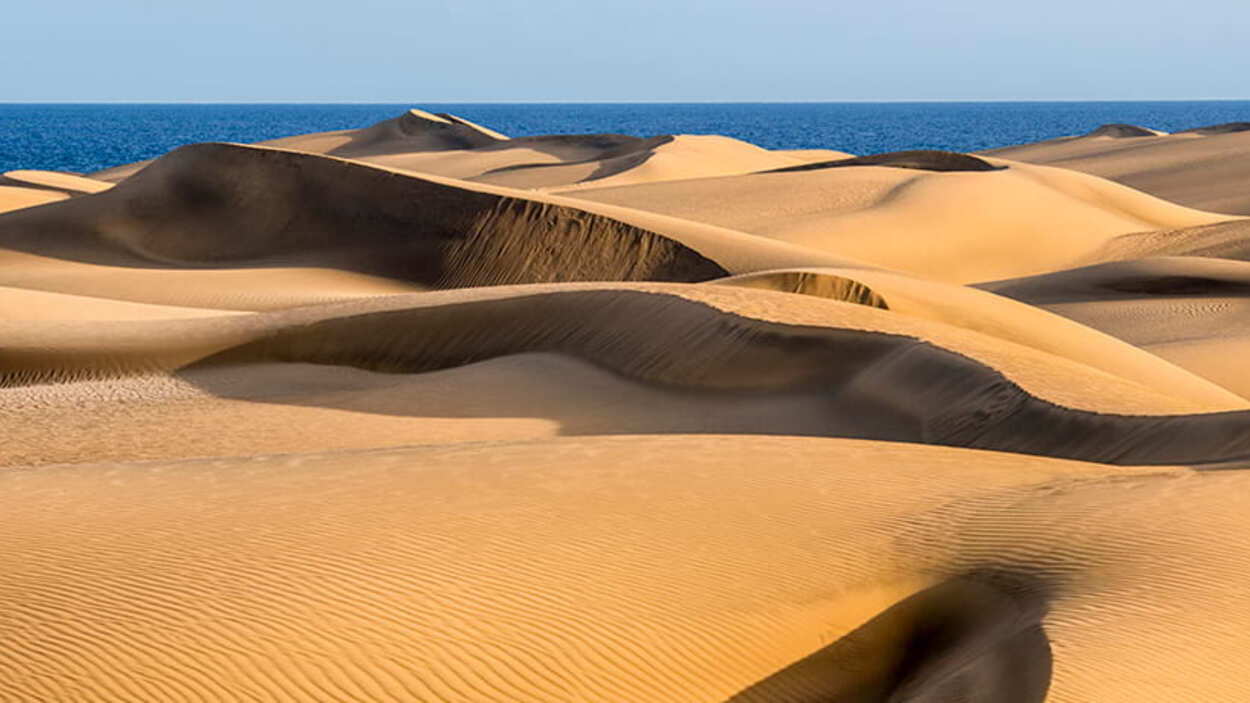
x=1027, y=219
x=446, y=145
x=1204, y=168
x=67, y=183
x=419, y=411
x=1192, y=311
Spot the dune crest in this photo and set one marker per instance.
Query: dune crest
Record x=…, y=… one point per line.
x=1123, y=131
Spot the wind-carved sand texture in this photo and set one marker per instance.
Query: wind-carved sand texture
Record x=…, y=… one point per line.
x=421, y=412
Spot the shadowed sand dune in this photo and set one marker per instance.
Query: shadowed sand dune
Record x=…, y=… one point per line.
x=1194, y=312
x=231, y=206
x=941, y=161
x=1226, y=128
x=785, y=364
x=993, y=315
x=413, y=131
x=1206, y=168
x=422, y=412
x=447, y=145
x=1122, y=131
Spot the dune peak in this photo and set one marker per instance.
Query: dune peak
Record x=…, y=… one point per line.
x=1122, y=131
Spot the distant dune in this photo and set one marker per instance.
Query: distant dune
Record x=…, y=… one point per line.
x=1123, y=131
x=1203, y=167
x=941, y=161
x=419, y=411
x=1027, y=219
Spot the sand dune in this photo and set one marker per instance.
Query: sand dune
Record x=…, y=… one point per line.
x=678, y=158
x=67, y=183
x=446, y=145
x=481, y=572
x=17, y=198
x=1226, y=128
x=232, y=206
x=1194, y=312
x=1027, y=219
x=32, y=305
x=994, y=315
x=1226, y=240
x=1205, y=168
x=940, y=161
x=422, y=412
x=1123, y=131
x=810, y=155
x=413, y=131
x=784, y=364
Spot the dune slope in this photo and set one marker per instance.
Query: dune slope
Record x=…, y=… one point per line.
x=1027, y=219
x=479, y=573
x=1200, y=168
x=1192, y=311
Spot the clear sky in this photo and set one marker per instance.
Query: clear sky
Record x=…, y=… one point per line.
x=622, y=50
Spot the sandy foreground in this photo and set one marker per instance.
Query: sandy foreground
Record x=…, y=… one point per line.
x=419, y=412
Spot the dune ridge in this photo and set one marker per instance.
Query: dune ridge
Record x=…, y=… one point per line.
x=883, y=384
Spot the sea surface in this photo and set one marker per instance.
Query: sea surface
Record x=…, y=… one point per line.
x=87, y=137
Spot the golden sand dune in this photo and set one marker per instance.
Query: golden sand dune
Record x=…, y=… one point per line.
x=227, y=206
x=1225, y=240
x=994, y=315
x=1194, y=312
x=811, y=155
x=1205, y=168
x=67, y=183
x=783, y=364
x=18, y=197
x=1027, y=219
x=446, y=145
x=644, y=569
x=413, y=131
x=675, y=158
x=422, y=412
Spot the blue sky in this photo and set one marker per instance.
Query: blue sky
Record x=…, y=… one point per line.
x=626, y=50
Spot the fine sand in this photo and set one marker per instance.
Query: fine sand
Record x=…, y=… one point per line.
x=422, y=412
x=1204, y=167
x=964, y=225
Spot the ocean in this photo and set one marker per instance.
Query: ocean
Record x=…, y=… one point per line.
x=87, y=137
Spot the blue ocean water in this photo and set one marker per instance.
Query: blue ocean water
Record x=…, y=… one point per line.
x=88, y=137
